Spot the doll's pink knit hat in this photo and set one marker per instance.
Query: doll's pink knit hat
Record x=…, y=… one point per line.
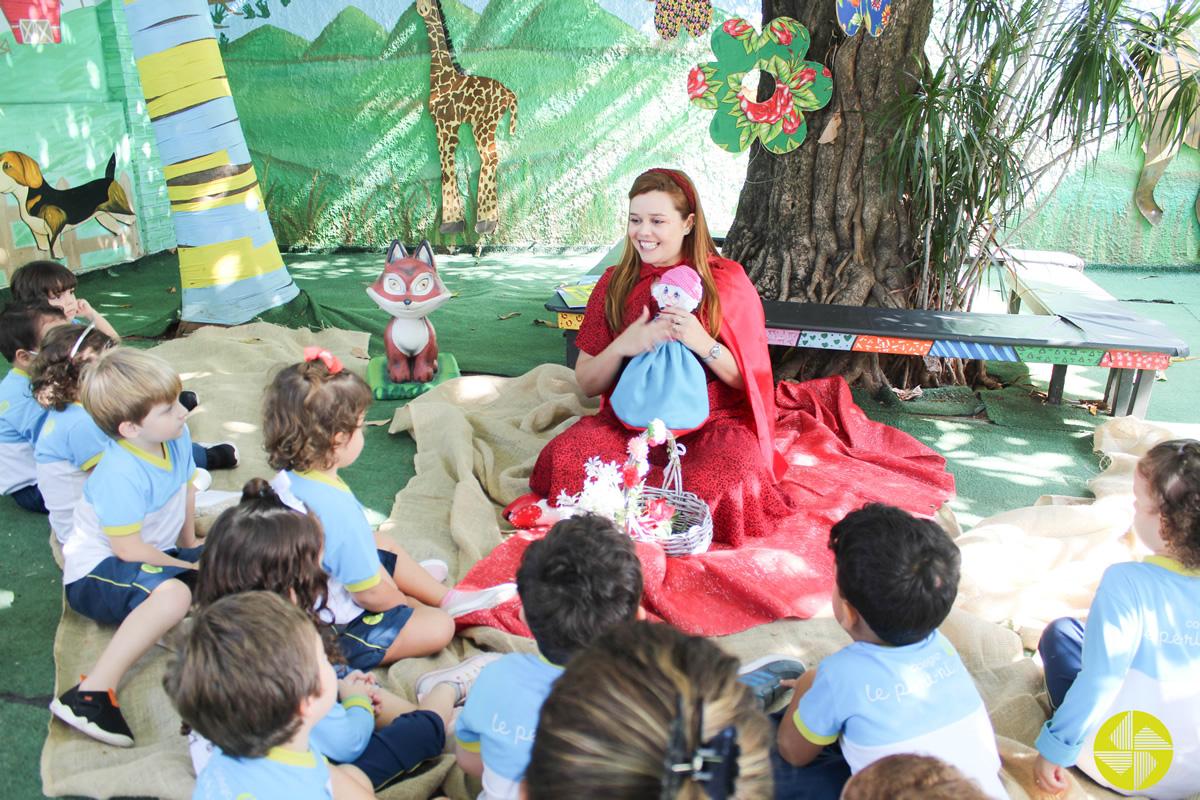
x=685, y=278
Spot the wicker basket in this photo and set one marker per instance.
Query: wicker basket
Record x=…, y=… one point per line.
x=692, y=528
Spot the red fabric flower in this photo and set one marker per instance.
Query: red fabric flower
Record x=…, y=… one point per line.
x=825, y=70
x=770, y=111
x=696, y=83
x=736, y=27
x=782, y=32
x=629, y=473
x=792, y=120
x=659, y=510
x=806, y=76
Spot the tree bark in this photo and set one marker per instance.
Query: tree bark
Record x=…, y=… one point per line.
x=817, y=225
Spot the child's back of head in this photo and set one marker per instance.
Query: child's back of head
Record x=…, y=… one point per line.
x=631, y=714
x=54, y=374
x=123, y=385
x=900, y=573
x=22, y=326
x=306, y=408
x=582, y=578
x=38, y=281
x=242, y=669
x=1172, y=473
x=911, y=777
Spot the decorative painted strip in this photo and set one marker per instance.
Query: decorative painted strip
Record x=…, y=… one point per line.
x=987, y=352
x=1059, y=355
x=171, y=34
x=187, y=97
x=223, y=185
x=225, y=262
x=177, y=68
x=227, y=137
x=1135, y=359
x=888, y=344
x=781, y=336
x=200, y=228
x=251, y=199
x=217, y=159
x=822, y=340
x=569, y=322
x=242, y=300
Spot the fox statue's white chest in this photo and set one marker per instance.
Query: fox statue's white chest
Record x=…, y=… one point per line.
x=410, y=336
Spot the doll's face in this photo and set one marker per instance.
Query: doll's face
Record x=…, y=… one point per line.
x=668, y=295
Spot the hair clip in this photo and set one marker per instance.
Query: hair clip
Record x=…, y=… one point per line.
x=713, y=764
x=75, y=348
x=315, y=353
x=282, y=485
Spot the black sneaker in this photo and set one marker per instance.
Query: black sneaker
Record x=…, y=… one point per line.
x=189, y=400
x=763, y=676
x=94, y=713
x=221, y=456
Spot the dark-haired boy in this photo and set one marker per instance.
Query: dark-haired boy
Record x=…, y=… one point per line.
x=49, y=281
x=216, y=683
x=22, y=326
x=900, y=687
x=577, y=582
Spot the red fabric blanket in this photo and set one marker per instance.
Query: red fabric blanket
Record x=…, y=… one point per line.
x=837, y=461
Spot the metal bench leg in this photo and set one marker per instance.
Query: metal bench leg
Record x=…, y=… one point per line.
x=1141, y=393
x=1014, y=302
x=1058, y=377
x=1123, y=391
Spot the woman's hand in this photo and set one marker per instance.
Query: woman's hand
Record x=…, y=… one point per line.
x=643, y=335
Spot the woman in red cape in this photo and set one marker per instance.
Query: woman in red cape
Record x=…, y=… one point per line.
x=731, y=461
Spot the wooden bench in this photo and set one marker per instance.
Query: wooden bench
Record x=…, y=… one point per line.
x=1098, y=331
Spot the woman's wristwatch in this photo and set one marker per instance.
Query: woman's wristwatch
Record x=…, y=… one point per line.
x=713, y=354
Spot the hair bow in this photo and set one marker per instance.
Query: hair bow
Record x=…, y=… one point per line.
x=315, y=353
x=282, y=485
x=713, y=764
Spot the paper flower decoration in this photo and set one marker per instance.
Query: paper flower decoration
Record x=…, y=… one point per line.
x=694, y=15
x=800, y=85
x=870, y=14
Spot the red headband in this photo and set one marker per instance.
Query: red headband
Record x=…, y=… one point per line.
x=315, y=353
x=680, y=181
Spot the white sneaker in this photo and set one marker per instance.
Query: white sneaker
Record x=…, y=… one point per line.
x=437, y=568
x=203, y=480
x=461, y=676
x=458, y=603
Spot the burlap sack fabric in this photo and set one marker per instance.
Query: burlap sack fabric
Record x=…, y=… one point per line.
x=477, y=439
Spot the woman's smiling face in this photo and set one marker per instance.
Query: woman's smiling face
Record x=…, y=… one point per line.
x=656, y=228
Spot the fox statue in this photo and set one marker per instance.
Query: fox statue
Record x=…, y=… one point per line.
x=409, y=289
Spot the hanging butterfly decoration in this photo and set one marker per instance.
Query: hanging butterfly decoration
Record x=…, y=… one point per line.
x=870, y=14
x=694, y=15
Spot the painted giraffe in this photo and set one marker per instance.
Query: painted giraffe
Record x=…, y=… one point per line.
x=457, y=99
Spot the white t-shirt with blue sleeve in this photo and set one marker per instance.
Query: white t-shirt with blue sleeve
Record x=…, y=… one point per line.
x=350, y=559
x=917, y=698
x=21, y=421
x=1141, y=652
x=501, y=716
x=130, y=491
x=280, y=773
x=70, y=444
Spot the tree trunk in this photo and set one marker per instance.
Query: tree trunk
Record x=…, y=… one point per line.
x=817, y=225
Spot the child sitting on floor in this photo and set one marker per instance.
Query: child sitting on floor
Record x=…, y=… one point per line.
x=910, y=777
x=130, y=555
x=900, y=687
x=22, y=327
x=385, y=605
x=50, y=281
x=71, y=443
x=251, y=676
x=581, y=579
x=1139, y=650
x=647, y=711
x=262, y=544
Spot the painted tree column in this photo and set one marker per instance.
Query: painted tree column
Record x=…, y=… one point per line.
x=229, y=262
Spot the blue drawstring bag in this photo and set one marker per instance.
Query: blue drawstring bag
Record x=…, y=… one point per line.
x=667, y=383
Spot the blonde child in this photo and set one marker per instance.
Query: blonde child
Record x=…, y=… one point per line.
x=54, y=283
x=1140, y=648
x=71, y=443
x=22, y=327
x=385, y=605
x=262, y=544
x=262, y=727
x=129, y=559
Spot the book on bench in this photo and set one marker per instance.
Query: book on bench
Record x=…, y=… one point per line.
x=576, y=295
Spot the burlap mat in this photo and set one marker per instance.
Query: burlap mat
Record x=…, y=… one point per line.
x=477, y=439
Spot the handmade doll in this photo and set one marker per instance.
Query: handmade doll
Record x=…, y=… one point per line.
x=667, y=383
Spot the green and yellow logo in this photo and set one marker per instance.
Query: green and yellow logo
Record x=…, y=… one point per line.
x=1133, y=750
x=372, y=619
x=153, y=569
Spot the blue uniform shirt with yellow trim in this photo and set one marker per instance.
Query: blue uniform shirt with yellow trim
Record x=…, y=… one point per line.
x=279, y=774
x=130, y=491
x=917, y=698
x=21, y=420
x=70, y=444
x=501, y=716
x=344, y=732
x=1141, y=652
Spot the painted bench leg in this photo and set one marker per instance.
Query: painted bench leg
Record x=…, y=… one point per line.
x=1120, y=391
x=1058, y=378
x=1141, y=393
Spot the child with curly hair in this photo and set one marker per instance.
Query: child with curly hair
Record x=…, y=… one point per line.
x=1140, y=647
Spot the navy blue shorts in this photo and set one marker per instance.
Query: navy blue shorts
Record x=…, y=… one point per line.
x=401, y=747
x=365, y=640
x=114, y=588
